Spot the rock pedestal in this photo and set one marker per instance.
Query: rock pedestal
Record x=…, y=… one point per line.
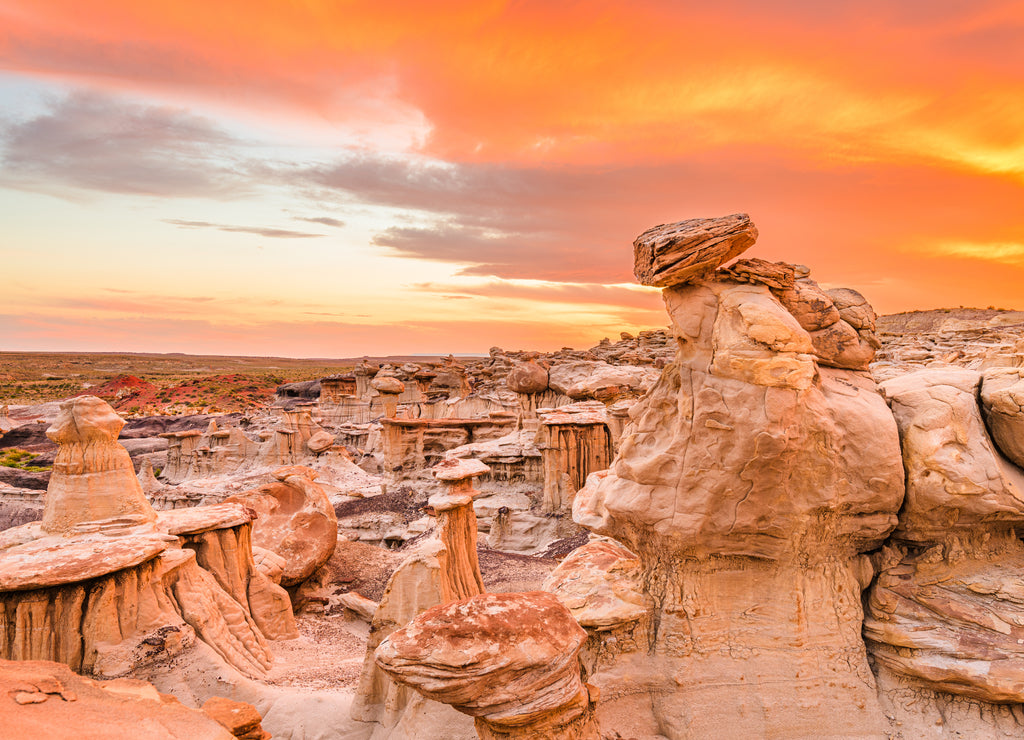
x=456, y=528
x=106, y=586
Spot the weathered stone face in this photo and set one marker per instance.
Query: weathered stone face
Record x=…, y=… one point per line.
x=956, y=480
x=1002, y=400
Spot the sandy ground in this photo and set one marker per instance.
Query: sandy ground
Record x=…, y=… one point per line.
x=328, y=655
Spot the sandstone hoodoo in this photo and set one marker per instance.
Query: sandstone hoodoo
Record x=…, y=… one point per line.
x=93, y=476
x=750, y=480
x=106, y=586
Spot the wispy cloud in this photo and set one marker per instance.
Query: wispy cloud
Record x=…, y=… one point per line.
x=1010, y=253
x=257, y=230
x=322, y=220
x=100, y=142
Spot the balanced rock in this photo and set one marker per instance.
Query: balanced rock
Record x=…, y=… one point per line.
x=677, y=253
x=523, y=650
x=387, y=384
x=295, y=520
x=93, y=476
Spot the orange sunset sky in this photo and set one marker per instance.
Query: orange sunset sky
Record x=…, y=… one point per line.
x=334, y=179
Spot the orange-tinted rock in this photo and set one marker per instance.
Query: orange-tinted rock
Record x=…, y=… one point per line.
x=748, y=482
x=237, y=717
x=55, y=561
x=776, y=275
x=527, y=377
x=600, y=584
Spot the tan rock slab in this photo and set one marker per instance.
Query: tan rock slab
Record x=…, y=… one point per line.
x=197, y=519
x=600, y=584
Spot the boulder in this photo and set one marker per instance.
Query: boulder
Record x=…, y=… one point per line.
x=295, y=520
x=600, y=585
x=527, y=377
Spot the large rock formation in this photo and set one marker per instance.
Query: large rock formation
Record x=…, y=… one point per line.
x=750, y=480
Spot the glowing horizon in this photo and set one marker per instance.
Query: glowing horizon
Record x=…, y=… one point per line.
x=342, y=179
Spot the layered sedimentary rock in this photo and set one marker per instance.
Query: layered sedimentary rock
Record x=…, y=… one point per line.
x=523, y=649
x=296, y=439
x=748, y=484
x=411, y=445
x=574, y=442
x=441, y=569
x=295, y=520
x=221, y=537
x=947, y=609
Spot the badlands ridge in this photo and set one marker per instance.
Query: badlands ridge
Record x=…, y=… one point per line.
x=783, y=517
